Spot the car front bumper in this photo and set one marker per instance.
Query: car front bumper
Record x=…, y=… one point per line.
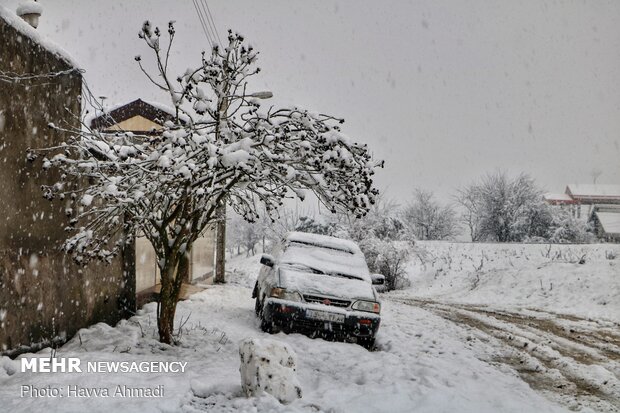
x=292, y=317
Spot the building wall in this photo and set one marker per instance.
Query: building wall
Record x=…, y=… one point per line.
x=43, y=295
x=201, y=261
x=202, y=256
x=137, y=123
x=146, y=270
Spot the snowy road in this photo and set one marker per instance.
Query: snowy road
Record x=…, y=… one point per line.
x=572, y=360
x=432, y=355
x=424, y=363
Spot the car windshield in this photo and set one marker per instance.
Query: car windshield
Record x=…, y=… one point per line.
x=324, y=261
x=307, y=268
x=302, y=267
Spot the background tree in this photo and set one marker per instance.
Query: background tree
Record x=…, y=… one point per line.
x=241, y=234
x=309, y=224
x=383, y=222
x=220, y=145
x=381, y=237
x=426, y=219
x=469, y=200
x=504, y=209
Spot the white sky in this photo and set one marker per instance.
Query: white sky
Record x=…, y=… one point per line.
x=444, y=91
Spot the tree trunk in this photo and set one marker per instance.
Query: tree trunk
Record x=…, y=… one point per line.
x=168, y=298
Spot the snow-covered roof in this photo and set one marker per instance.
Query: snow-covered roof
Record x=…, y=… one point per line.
x=117, y=113
x=324, y=241
x=593, y=190
x=553, y=197
x=25, y=29
x=610, y=221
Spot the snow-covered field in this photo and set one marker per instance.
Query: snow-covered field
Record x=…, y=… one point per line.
x=515, y=276
x=442, y=346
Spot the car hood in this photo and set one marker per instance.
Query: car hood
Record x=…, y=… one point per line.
x=325, y=285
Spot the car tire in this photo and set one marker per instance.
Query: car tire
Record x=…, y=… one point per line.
x=265, y=325
x=257, y=307
x=367, y=342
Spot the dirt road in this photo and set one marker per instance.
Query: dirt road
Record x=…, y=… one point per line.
x=571, y=360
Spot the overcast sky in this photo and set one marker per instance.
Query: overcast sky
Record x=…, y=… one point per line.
x=443, y=91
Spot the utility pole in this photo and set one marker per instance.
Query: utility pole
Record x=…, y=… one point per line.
x=220, y=243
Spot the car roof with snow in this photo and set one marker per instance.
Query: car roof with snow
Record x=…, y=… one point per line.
x=324, y=241
x=328, y=255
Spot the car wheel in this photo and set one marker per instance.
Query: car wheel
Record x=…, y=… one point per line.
x=265, y=325
x=257, y=307
x=367, y=342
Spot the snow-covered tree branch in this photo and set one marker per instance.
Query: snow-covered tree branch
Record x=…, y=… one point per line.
x=221, y=145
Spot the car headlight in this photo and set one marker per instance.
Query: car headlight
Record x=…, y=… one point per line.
x=370, y=306
x=283, y=294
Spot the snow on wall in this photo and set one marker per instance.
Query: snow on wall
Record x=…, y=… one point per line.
x=269, y=366
x=25, y=29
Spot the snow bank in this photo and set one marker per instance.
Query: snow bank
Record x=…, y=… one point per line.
x=269, y=366
x=542, y=276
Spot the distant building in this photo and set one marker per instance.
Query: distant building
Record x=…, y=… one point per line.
x=605, y=220
x=598, y=204
x=594, y=194
x=146, y=118
x=44, y=297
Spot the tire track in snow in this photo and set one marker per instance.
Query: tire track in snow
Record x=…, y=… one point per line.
x=572, y=360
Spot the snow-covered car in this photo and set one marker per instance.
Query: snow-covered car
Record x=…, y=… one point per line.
x=320, y=286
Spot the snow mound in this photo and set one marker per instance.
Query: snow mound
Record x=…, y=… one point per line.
x=29, y=7
x=269, y=366
x=8, y=367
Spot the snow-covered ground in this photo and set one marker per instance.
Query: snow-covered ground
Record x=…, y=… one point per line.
x=431, y=357
x=515, y=276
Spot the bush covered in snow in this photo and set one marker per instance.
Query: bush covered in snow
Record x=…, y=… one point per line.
x=565, y=228
x=388, y=258
x=269, y=366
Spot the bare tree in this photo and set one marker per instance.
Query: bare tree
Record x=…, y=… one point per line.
x=504, y=209
x=220, y=146
x=243, y=234
x=383, y=222
x=426, y=219
x=469, y=200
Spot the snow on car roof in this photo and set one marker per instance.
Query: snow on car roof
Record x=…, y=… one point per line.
x=324, y=241
x=327, y=258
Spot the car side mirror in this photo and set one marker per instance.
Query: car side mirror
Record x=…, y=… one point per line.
x=377, y=279
x=267, y=260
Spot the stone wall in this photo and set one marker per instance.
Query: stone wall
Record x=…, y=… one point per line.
x=44, y=297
